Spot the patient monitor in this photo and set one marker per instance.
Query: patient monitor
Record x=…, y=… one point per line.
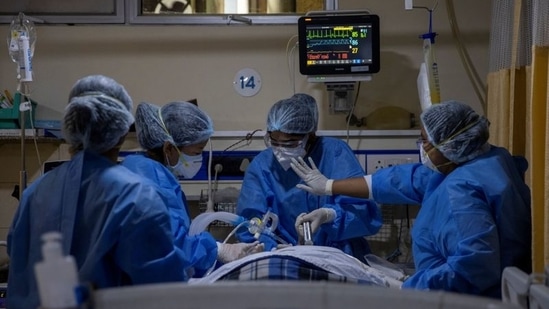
x=339, y=48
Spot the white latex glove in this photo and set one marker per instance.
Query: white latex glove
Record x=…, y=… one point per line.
x=315, y=182
x=316, y=217
x=231, y=252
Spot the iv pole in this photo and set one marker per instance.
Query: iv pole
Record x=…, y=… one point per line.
x=22, y=114
x=21, y=48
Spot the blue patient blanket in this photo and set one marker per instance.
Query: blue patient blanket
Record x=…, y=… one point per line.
x=309, y=263
x=285, y=268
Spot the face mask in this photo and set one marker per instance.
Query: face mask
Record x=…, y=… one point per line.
x=187, y=166
x=425, y=160
x=283, y=155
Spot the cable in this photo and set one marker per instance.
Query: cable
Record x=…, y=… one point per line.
x=352, y=110
x=292, y=77
x=457, y=35
x=291, y=61
x=25, y=97
x=409, y=226
x=474, y=78
x=247, y=139
x=234, y=231
x=35, y=139
x=210, y=203
x=435, y=5
x=394, y=256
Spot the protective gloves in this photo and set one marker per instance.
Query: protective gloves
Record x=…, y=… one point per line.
x=315, y=182
x=231, y=252
x=316, y=217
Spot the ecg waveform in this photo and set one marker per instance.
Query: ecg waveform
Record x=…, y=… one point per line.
x=336, y=45
x=329, y=33
x=317, y=37
x=314, y=43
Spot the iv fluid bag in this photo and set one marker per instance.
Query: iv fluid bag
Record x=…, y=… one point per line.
x=431, y=67
x=20, y=26
x=423, y=87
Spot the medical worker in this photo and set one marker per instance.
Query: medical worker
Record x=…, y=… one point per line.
x=269, y=184
x=113, y=222
x=174, y=137
x=475, y=207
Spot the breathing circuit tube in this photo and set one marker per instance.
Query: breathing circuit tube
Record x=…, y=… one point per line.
x=201, y=222
x=267, y=225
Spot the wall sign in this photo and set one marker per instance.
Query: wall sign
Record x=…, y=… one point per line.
x=247, y=82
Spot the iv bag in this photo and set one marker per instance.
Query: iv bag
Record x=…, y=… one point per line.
x=431, y=67
x=423, y=87
x=20, y=26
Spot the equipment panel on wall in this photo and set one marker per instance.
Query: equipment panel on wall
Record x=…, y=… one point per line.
x=377, y=159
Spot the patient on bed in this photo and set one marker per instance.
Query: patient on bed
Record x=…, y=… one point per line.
x=308, y=263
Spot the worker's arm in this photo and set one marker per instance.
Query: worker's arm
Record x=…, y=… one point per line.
x=317, y=183
x=356, y=187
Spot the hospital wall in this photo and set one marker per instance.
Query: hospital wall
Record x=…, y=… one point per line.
x=163, y=63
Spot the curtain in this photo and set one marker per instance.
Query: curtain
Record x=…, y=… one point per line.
x=517, y=102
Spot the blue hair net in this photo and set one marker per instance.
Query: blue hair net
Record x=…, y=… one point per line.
x=456, y=130
x=180, y=123
x=295, y=115
x=98, y=114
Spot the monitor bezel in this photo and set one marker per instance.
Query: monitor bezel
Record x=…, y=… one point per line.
x=338, y=69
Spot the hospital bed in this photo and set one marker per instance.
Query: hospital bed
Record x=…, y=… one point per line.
x=378, y=288
x=306, y=263
x=527, y=291
x=278, y=294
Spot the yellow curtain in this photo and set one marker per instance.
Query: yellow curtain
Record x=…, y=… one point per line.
x=518, y=99
x=538, y=127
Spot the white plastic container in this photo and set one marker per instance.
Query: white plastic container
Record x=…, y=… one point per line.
x=56, y=275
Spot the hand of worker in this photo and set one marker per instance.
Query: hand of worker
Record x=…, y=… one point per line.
x=231, y=252
x=315, y=182
x=316, y=217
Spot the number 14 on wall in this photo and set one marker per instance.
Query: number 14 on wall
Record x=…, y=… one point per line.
x=247, y=82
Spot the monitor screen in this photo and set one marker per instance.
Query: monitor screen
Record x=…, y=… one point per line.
x=332, y=45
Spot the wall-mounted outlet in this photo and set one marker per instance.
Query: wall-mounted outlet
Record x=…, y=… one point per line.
x=375, y=162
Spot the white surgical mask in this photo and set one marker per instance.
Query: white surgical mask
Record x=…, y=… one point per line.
x=187, y=166
x=425, y=160
x=284, y=155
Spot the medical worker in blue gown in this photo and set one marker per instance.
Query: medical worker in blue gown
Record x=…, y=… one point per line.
x=475, y=207
x=269, y=184
x=113, y=221
x=174, y=137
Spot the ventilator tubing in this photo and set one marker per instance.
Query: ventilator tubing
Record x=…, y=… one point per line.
x=203, y=220
x=265, y=226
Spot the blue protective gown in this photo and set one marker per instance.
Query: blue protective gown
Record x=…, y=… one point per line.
x=267, y=186
x=113, y=222
x=201, y=249
x=472, y=224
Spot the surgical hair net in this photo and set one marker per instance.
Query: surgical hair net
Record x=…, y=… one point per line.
x=180, y=123
x=98, y=114
x=295, y=115
x=456, y=130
